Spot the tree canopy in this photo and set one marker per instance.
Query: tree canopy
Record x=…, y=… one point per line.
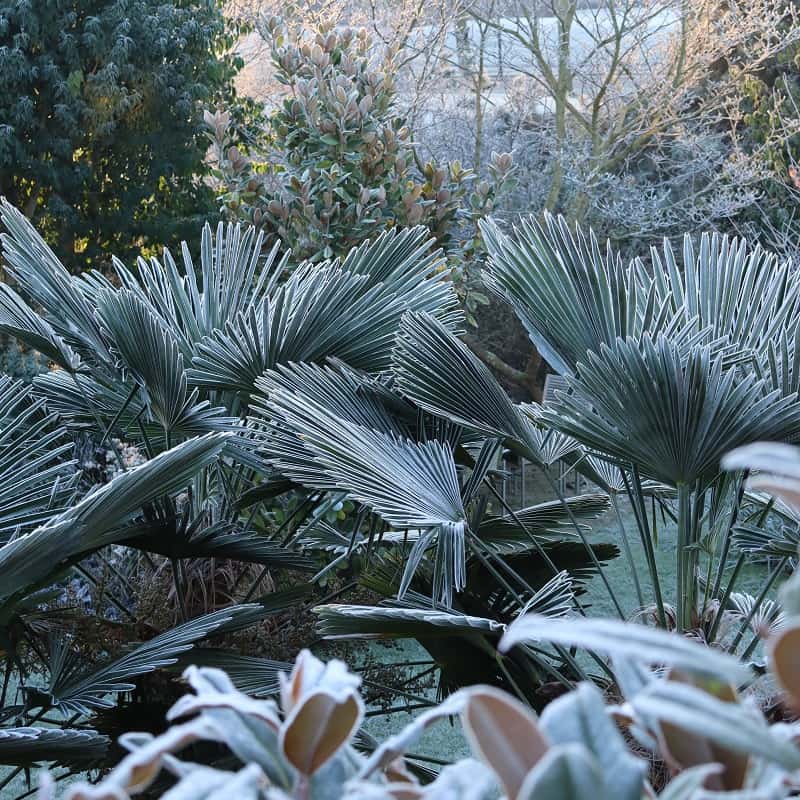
x=101, y=135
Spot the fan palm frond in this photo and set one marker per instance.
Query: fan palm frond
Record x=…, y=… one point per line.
x=336, y=388
x=408, y=484
x=741, y=293
x=45, y=280
x=349, y=311
x=19, y=320
x=570, y=297
x=221, y=540
x=254, y=676
x=388, y=622
x=79, y=693
x=151, y=355
x=28, y=560
x=444, y=377
x=31, y=746
x=403, y=263
x=673, y=414
x=778, y=543
x=549, y=521
x=37, y=476
x=555, y=599
x=194, y=300
x=763, y=618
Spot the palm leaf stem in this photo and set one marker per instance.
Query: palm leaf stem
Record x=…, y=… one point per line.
x=306, y=504
x=726, y=544
x=589, y=550
x=754, y=642
x=395, y=690
x=737, y=568
x=10, y=777
x=636, y=496
x=105, y=592
x=626, y=546
x=565, y=655
x=685, y=579
x=541, y=658
x=768, y=584
x=116, y=418
x=510, y=678
x=536, y=543
x=177, y=579
x=735, y=574
x=93, y=411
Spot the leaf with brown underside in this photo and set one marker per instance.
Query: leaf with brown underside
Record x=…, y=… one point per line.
x=683, y=749
x=784, y=654
x=319, y=725
x=504, y=733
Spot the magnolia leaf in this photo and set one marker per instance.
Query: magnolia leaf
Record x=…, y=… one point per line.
x=504, y=734
x=317, y=727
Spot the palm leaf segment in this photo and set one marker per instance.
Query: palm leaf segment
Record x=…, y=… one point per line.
x=568, y=295
x=741, y=293
x=30, y=746
x=572, y=299
x=30, y=560
x=648, y=356
x=37, y=479
x=313, y=440
x=78, y=692
x=673, y=414
x=349, y=311
x=218, y=325
x=151, y=354
x=43, y=278
x=440, y=373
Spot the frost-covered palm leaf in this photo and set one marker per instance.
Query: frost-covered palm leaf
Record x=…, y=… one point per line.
x=554, y=446
x=408, y=484
x=30, y=559
x=782, y=368
x=741, y=293
x=385, y=622
x=570, y=297
x=46, y=281
x=30, y=746
x=766, y=617
x=402, y=262
x=81, y=400
x=37, y=477
x=19, y=320
x=220, y=540
x=78, y=692
x=674, y=414
x=555, y=599
x=194, y=300
x=349, y=311
x=549, y=521
x=774, y=542
x=443, y=376
x=150, y=354
x=320, y=312
x=338, y=389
